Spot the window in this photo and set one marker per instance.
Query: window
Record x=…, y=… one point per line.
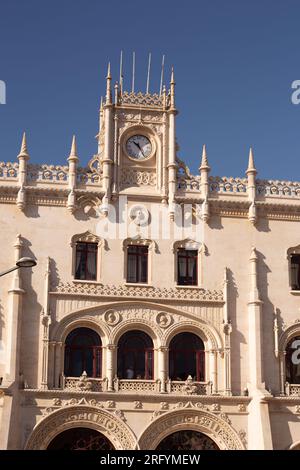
x=187, y=267
x=292, y=358
x=295, y=272
x=135, y=356
x=83, y=352
x=187, y=357
x=86, y=261
x=137, y=263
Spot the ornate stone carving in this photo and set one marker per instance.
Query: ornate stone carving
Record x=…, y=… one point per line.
x=112, y=317
x=132, y=177
x=138, y=405
x=215, y=407
x=227, y=185
x=9, y=170
x=139, y=292
x=210, y=424
x=101, y=420
x=163, y=319
x=141, y=99
x=242, y=408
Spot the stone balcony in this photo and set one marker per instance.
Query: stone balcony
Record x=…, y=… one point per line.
x=292, y=390
x=136, y=386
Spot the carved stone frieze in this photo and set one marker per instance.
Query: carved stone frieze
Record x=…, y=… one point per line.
x=131, y=292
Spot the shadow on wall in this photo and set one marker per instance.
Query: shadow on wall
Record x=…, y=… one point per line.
x=237, y=338
x=31, y=317
x=270, y=373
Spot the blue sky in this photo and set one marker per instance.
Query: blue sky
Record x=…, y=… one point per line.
x=234, y=64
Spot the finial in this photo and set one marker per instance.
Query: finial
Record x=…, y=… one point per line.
x=24, y=151
x=172, y=76
x=251, y=167
x=108, y=72
x=204, y=161
x=73, y=152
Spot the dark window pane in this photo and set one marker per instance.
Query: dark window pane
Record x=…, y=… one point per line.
x=293, y=361
x=186, y=357
x=135, y=356
x=295, y=272
x=83, y=352
x=187, y=267
x=86, y=261
x=137, y=264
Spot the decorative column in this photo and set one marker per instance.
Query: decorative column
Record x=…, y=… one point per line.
x=281, y=356
x=110, y=366
x=259, y=427
x=52, y=364
x=204, y=184
x=251, y=188
x=73, y=160
x=23, y=157
x=46, y=321
x=162, y=353
x=214, y=370
x=227, y=330
x=172, y=166
x=59, y=361
x=14, y=311
x=108, y=144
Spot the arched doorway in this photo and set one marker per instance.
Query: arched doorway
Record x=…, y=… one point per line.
x=135, y=356
x=187, y=357
x=80, y=439
x=187, y=440
x=83, y=352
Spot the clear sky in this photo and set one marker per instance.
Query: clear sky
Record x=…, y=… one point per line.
x=234, y=64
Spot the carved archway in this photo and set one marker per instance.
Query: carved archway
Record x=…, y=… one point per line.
x=113, y=428
x=202, y=421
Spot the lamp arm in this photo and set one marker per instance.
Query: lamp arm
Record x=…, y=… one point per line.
x=9, y=270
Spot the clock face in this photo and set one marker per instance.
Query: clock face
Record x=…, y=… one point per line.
x=138, y=147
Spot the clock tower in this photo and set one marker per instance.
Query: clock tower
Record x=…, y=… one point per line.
x=137, y=144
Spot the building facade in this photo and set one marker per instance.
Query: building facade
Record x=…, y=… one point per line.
x=163, y=312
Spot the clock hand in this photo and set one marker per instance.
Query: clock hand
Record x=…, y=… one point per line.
x=138, y=145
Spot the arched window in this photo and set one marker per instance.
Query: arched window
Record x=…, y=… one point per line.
x=83, y=352
x=135, y=356
x=187, y=357
x=292, y=358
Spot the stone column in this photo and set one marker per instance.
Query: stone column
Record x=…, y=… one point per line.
x=110, y=366
x=23, y=158
x=14, y=311
x=172, y=165
x=259, y=426
x=214, y=370
x=72, y=160
x=162, y=353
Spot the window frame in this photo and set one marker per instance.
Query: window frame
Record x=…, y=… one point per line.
x=87, y=237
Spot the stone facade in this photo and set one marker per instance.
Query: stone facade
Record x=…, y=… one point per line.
x=243, y=306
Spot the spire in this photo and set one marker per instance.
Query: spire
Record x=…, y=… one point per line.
x=23, y=151
x=101, y=105
x=172, y=90
x=204, y=161
x=108, y=76
x=251, y=167
x=108, y=85
x=73, y=152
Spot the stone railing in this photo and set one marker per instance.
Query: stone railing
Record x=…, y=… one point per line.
x=189, y=387
x=218, y=184
x=188, y=184
x=278, y=188
x=84, y=384
x=141, y=99
x=47, y=173
x=9, y=170
x=84, y=177
x=292, y=389
x=136, y=386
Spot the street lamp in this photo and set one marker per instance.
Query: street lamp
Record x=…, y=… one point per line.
x=21, y=263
